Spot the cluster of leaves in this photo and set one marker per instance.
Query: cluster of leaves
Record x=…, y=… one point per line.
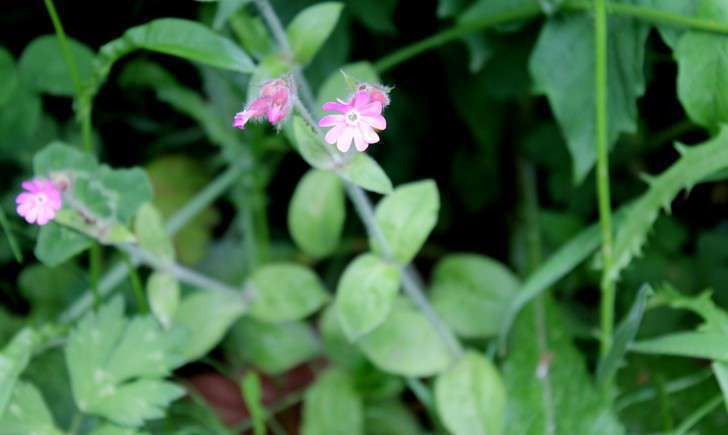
x=240, y=290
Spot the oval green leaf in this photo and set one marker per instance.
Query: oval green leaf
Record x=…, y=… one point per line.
x=310, y=28
x=284, y=292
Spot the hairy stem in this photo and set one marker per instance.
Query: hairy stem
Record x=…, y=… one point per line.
x=360, y=200
x=119, y=271
x=602, y=144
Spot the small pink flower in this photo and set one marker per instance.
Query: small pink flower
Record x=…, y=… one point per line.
x=376, y=92
x=40, y=202
x=275, y=102
x=357, y=122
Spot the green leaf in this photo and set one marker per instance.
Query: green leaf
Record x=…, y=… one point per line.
x=569, y=40
x=720, y=370
x=151, y=234
x=471, y=398
x=226, y=9
x=110, y=429
x=317, y=212
x=335, y=342
x=61, y=157
x=672, y=34
x=472, y=293
x=20, y=119
x=710, y=345
x=13, y=360
x=253, y=395
x=332, y=406
x=406, y=344
x=715, y=318
x=310, y=146
x=623, y=337
x=549, y=387
x=366, y=292
x=43, y=67
x=492, y=10
x=116, y=365
x=310, y=28
x=273, y=348
x=8, y=76
x=702, y=70
x=696, y=164
x=57, y=244
x=251, y=33
x=127, y=190
x=204, y=331
x=365, y=172
x=27, y=413
x=177, y=37
x=285, y=291
x=406, y=217
x=379, y=19
x=390, y=418
x=163, y=295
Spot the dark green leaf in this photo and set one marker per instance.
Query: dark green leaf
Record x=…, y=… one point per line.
x=57, y=244
x=43, y=67
x=310, y=28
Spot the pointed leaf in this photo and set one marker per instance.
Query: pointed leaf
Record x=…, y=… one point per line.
x=27, y=413
x=43, y=66
x=310, y=28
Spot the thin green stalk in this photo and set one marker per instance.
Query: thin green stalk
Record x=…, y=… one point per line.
x=674, y=386
x=136, y=285
x=94, y=257
x=11, y=238
x=602, y=143
x=699, y=414
x=403, y=54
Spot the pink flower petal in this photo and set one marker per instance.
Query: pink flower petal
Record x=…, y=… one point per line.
x=31, y=215
x=359, y=142
x=339, y=107
x=377, y=122
x=343, y=142
x=331, y=120
x=361, y=99
x=369, y=135
x=333, y=135
x=371, y=109
x=23, y=198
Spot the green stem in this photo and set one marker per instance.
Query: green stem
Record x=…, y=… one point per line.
x=136, y=285
x=11, y=238
x=403, y=54
x=84, y=115
x=698, y=414
x=94, y=256
x=674, y=386
x=602, y=142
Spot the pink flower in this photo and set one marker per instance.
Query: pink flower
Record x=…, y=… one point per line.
x=274, y=102
x=357, y=122
x=40, y=202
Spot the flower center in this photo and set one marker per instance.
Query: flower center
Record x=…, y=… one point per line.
x=41, y=198
x=352, y=117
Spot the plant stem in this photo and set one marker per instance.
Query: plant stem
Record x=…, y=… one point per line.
x=602, y=144
x=11, y=238
x=698, y=414
x=94, y=256
x=119, y=271
x=359, y=198
x=390, y=61
x=673, y=386
x=136, y=285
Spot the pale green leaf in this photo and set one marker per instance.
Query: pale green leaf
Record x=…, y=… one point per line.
x=310, y=146
x=274, y=348
x=569, y=40
x=27, y=414
x=117, y=365
x=390, y=418
x=406, y=344
x=163, y=296
x=13, y=360
x=406, y=217
x=151, y=234
x=471, y=398
x=365, y=294
x=57, y=244
x=720, y=370
x=285, y=291
x=204, y=331
x=332, y=406
x=365, y=172
x=702, y=79
x=472, y=293
x=60, y=157
x=316, y=213
x=253, y=395
x=709, y=345
x=43, y=67
x=310, y=28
